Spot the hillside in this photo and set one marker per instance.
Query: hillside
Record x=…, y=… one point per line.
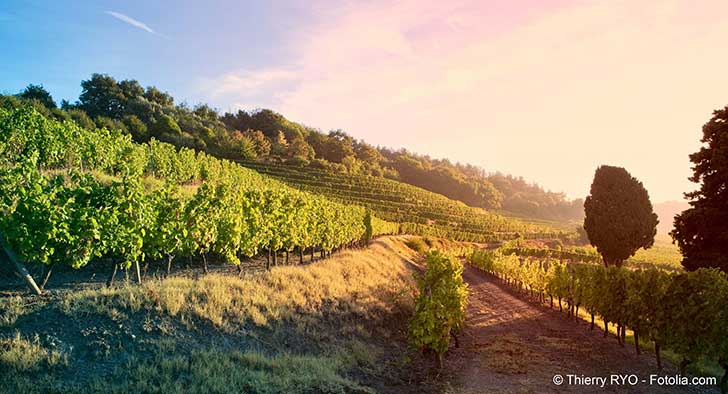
x=420, y=211
x=268, y=137
x=332, y=327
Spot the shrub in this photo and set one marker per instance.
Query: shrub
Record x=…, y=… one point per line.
x=440, y=308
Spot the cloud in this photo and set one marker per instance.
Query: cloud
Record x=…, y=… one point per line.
x=240, y=82
x=131, y=21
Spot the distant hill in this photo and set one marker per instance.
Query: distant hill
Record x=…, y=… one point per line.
x=666, y=212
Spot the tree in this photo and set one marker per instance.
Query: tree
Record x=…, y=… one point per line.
x=136, y=127
x=701, y=231
x=102, y=96
x=165, y=125
x=619, y=217
x=261, y=144
x=155, y=95
x=38, y=92
x=338, y=146
x=81, y=118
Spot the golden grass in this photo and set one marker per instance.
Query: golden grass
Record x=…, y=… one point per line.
x=215, y=371
x=363, y=282
x=20, y=354
x=10, y=309
x=326, y=327
x=663, y=254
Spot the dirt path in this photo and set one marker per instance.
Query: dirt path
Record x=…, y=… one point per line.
x=511, y=345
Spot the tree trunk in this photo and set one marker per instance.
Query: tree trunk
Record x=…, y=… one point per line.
x=592, y=322
x=169, y=264
x=606, y=328
x=138, y=272
x=619, y=334
x=561, y=308
x=552, y=300
x=275, y=258
x=455, y=337
x=684, y=364
x=312, y=251
x=637, y=342
x=300, y=255
x=204, y=263
x=19, y=267
x=286, y=257
x=657, y=355
x=624, y=334
x=323, y=254
x=113, y=274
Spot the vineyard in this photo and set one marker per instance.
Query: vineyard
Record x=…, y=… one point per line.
x=70, y=196
x=682, y=312
x=663, y=255
x=419, y=211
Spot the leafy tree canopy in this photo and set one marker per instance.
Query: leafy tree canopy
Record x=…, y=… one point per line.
x=38, y=92
x=701, y=231
x=619, y=217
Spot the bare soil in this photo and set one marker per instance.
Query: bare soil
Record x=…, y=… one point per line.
x=514, y=345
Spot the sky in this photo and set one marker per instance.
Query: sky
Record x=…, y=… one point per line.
x=547, y=90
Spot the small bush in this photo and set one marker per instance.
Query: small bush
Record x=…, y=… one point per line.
x=440, y=308
x=417, y=244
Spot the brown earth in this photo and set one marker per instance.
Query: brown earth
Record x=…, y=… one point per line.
x=514, y=345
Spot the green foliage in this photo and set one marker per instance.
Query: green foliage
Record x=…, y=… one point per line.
x=619, y=217
x=38, y=92
x=165, y=126
x=440, y=307
x=417, y=244
x=72, y=217
x=419, y=211
x=368, y=229
x=701, y=231
x=268, y=136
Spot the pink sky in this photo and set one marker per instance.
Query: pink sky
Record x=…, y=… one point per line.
x=548, y=93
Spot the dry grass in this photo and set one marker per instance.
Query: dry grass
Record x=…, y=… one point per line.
x=362, y=283
x=422, y=244
x=20, y=354
x=214, y=371
x=10, y=309
x=335, y=326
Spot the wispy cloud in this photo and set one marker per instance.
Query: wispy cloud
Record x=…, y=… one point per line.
x=247, y=81
x=131, y=21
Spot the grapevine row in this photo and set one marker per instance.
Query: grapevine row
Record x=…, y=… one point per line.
x=69, y=195
x=684, y=312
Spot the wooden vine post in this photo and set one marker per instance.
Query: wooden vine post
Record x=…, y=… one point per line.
x=19, y=267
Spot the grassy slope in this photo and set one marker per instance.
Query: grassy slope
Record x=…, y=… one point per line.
x=334, y=326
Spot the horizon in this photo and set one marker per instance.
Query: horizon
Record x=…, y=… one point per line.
x=469, y=82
